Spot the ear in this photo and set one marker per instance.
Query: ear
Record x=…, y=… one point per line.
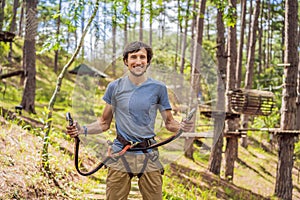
x=125, y=62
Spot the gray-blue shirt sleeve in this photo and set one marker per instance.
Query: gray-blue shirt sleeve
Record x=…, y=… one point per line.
x=109, y=92
x=164, y=99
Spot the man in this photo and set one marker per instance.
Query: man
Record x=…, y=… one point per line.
x=134, y=100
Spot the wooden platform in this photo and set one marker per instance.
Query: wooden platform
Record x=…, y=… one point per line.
x=221, y=114
x=208, y=134
x=275, y=131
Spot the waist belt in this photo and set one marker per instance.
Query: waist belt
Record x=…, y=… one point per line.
x=144, y=144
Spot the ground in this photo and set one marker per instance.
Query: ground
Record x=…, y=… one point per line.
x=22, y=176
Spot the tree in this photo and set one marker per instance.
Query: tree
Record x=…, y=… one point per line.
x=241, y=44
x=249, y=24
x=142, y=12
x=195, y=75
x=82, y=19
x=284, y=183
x=48, y=125
x=29, y=56
x=126, y=13
x=2, y=4
x=114, y=35
x=13, y=26
x=215, y=158
x=250, y=63
x=151, y=15
x=21, y=18
x=179, y=31
x=298, y=97
x=56, y=52
x=231, y=151
x=184, y=39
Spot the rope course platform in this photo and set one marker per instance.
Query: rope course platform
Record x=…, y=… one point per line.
x=251, y=102
x=222, y=114
x=275, y=131
x=207, y=134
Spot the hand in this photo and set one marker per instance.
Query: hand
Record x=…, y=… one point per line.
x=74, y=130
x=187, y=126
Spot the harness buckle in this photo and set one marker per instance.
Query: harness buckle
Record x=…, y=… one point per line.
x=154, y=156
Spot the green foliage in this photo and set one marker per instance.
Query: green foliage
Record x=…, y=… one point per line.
x=297, y=154
x=4, y=47
x=270, y=121
x=230, y=17
x=229, y=12
x=52, y=43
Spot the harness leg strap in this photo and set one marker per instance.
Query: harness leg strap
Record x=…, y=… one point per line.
x=126, y=165
x=144, y=166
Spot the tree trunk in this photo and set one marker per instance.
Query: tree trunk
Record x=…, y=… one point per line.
x=260, y=37
x=249, y=24
x=142, y=11
x=208, y=24
x=268, y=34
x=182, y=61
x=230, y=124
x=12, y=27
x=48, y=126
x=126, y=11
x=151, y=14
x=215, y=158
x=193, y=27
x=21, y=19
x=283, y=36
x=2, y=4
x=178, y=33
x=195, y=76
x=30, y=56
x=251, y=52
x=114, y=35
x=13, y=24
x=241, y=44
x=284, y=182
x=163, y=22
x=57, y=36
x=250, y=64
x=298, y=98
x=82, y=29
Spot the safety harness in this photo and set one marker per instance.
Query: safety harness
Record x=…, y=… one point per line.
x=143, y=146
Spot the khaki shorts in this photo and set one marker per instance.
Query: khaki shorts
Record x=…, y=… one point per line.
x=118, y=182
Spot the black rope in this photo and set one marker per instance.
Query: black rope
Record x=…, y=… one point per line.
x=107, y=158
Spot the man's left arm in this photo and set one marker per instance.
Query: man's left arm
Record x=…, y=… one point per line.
x=173, y=125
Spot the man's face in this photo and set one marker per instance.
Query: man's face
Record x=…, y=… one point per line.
x=137, y=62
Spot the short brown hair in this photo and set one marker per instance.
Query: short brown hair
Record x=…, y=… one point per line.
x=135, y=47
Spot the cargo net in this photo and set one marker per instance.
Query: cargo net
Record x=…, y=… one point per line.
x=251, y=102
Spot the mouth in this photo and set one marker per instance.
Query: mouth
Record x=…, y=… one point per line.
x=139, y=67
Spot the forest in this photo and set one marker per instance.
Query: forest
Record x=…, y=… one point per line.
x=235, y=62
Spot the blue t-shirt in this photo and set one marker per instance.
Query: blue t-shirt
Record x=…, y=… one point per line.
x=135, y=107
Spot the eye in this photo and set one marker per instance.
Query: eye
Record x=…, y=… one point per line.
x=143, y=57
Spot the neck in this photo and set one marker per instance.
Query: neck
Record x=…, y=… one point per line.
x=137, y=80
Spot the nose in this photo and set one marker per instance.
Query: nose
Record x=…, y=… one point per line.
x=138, y=60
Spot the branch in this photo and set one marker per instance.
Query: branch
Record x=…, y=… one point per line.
x=57, y=89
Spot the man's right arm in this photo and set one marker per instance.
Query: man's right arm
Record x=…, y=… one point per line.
x=106, y=118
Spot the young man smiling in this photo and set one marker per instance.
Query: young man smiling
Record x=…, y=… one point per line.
x=133, y=101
